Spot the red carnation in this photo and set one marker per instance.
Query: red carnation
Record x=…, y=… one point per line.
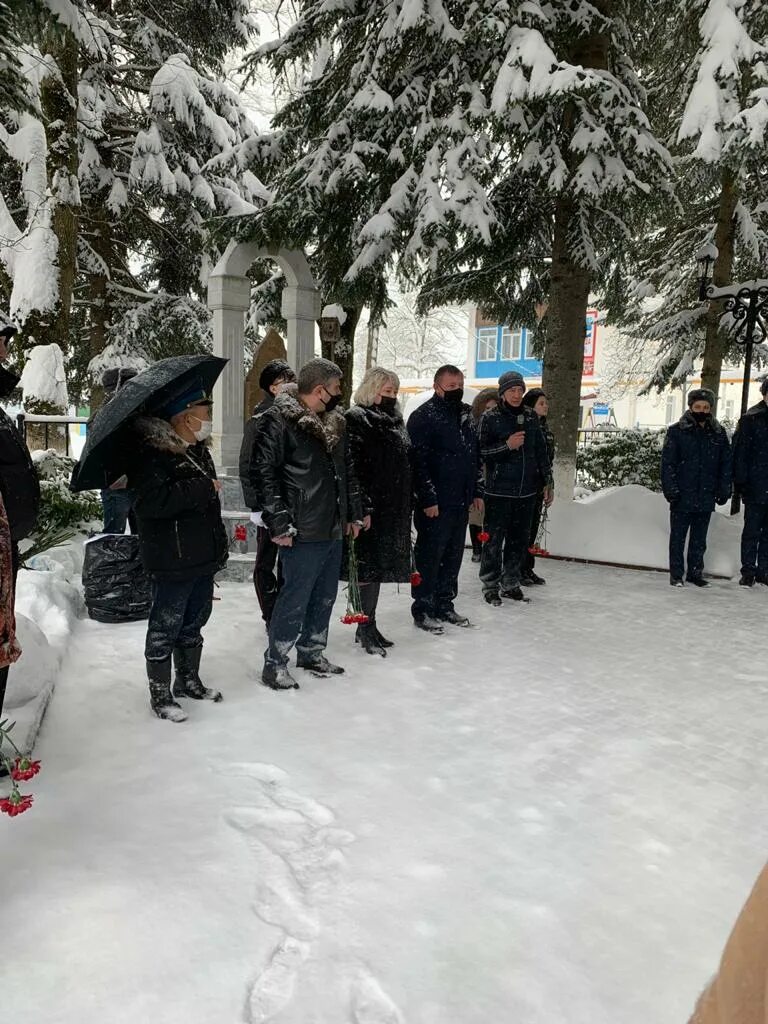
x=363, y=619
x=415, y=579
x=22, y=769
x=241, y=533
x=483, y=537
x=15, y=804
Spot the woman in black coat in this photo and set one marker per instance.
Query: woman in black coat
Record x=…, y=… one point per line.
x=380, y=445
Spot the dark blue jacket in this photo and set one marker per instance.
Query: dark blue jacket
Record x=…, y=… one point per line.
x=696, y=465
x=517, y=473
x=750, y=455
x=444, y=455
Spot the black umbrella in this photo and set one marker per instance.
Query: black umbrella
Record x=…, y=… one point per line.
x=106, y=447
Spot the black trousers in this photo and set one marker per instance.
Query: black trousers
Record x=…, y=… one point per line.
x=267, y=573
x=438, y=555
x=369, y=598
x=694, y=526
x=474, y=536
x=528, y=559
x=754, y=541
x=508, y=521
x=179, y=612
x=4, y=671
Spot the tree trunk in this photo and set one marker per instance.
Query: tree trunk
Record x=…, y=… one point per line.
x=98, y=293
x=716, y=340
x=372, y=348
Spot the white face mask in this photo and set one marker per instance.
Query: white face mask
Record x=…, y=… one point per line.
x=205, y=429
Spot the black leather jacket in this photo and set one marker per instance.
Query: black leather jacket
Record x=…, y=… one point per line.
x=19, y=484
x=246, y=451
x=302, y=472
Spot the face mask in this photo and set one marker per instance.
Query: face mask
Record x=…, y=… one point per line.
x=701, y=417
x=333, y=401
x=205, y=430
x=388, y=404
x=454, y=397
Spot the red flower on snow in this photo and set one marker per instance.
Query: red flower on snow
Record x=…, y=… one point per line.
x=22, y=769
x=415, y=579
x=483, y=537
x=15, y=804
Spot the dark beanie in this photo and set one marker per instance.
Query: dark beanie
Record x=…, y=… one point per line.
x=764, y=387
x=701, y=395
x=274, y=370
x=531, y=397
x=510, y=379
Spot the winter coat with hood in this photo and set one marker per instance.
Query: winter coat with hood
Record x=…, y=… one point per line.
x=380, y=451
x=19, y=484
x=302, y=471
x=696, y=465
x=246, y=451
x=181, y=533
x=750, y=455
x=445, y=457
x=513, y=473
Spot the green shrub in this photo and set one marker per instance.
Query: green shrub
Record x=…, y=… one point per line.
x=62, y=513
x=622, y=457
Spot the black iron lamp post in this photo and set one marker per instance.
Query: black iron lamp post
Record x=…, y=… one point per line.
x=747, y=302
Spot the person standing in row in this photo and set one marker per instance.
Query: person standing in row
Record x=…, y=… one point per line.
x=750, y=480
x=487, y=399
x=183, y=543
x=695, y=475
x=447, y=481
x=517, y=467
x=266, y=572
x=536, y=399
x=117, y=500
x=380, y=448
x=301, y=469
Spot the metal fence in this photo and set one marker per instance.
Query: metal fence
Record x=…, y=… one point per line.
x=586, y=437
x=23, y=419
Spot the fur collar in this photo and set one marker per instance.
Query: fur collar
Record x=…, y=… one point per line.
x=159, y=434
x=687, y=422
x=328, y=428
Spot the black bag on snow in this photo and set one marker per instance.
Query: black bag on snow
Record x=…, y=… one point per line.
x=116, y=587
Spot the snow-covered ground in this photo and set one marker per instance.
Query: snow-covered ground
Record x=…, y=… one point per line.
x=554, y=817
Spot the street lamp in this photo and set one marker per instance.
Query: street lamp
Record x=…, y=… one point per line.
x=747, y=302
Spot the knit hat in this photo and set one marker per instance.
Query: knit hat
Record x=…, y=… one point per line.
x=764, y=387
x=531, y=397
x=701, y=395
x=186, y=400
x=510, y=379
x=274, y=370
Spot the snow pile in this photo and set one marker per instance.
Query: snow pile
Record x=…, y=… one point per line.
x=630, y=526
x=43, y=379
x=334, y=312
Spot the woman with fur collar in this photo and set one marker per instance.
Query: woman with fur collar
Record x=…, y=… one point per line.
x=183, y=544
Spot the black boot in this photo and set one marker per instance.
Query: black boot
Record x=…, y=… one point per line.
x=492, y=598
x=368, y=640
x=187, y=682
x=383, y=642
x=515, y=594
x=746, y=580
x=160, y=698
x=318, y=665
x=278, y=678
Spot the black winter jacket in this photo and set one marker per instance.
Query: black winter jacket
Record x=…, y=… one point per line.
x=181, y=534
x=302, y=472
x=750, y=455
x=510, y=473
x=380, y=449
x=696, y=465
x=19, y=484
x=445, y=457
x=246, y=451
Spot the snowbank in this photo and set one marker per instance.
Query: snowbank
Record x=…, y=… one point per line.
x=630, y=526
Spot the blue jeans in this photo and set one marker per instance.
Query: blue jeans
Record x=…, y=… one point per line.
x=179, y=612
x=303, y=608
x=118, y=506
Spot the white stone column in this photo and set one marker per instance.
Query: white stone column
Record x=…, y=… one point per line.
x=301, y=307
x=228, y=300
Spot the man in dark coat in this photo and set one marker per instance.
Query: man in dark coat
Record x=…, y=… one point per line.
x=517, y=468
x=266, y=573
x=19, y=484
x=695, y=474
x=750, y=480
x=183, y=543
x=446, y=481
x=536, y=399
x=305, y=485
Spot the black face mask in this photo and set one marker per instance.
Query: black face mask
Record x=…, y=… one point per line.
x=454, y=397
x=333, y=401
x=388, y=404
x=701, y=417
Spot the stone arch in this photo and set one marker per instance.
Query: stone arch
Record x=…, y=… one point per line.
x=229, y=292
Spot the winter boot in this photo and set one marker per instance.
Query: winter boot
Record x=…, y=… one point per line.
x=492, y=598
x=382, y=640
x=187, y=682
x=529, y=579
x=429, y=625
x=318, y=665
x=515, y=594
x=366, y=637
x=762, y=578
x=160, y=698
x=746, y=580
x=278, y=678
x=674, y=582
x=454, y=619
x=698, y=581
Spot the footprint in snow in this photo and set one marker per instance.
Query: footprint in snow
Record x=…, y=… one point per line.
x=370, y=1004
